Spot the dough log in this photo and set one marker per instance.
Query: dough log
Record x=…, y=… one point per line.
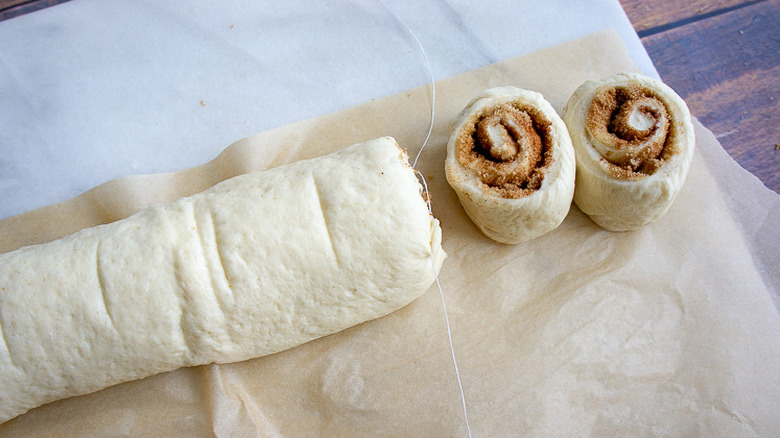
x=634, y=142
x=257, y=264
x=511, y=162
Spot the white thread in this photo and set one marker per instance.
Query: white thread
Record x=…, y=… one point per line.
x=428, y=196
x=452, y=349
x=430, y=74
x=446, y=317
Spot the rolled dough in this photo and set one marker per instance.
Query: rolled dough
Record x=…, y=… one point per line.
x=615, y=198
x=495, y=206
x=257, y=264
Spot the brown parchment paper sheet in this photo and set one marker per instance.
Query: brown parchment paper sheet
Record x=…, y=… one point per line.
x=666, y=331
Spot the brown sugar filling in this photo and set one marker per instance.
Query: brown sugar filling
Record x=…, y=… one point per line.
x=509, y=148
x=632, y=129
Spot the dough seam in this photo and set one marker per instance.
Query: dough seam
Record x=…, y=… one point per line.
x=189, y=329
x=6, y=344
x=218, y=251
x=325, y=221
x=102, y=285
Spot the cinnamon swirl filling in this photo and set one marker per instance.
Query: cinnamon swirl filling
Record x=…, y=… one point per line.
x=630, y=126
x=509, y=148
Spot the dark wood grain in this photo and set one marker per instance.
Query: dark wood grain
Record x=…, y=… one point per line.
x=15, y=8
x=730, y=71
x=5, y=4
x=647, y=15
x=726, y=65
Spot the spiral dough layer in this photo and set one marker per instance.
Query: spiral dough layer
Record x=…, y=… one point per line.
x=633, y=139
x=511, y=163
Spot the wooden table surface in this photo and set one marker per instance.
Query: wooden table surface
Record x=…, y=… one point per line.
x=721, y=56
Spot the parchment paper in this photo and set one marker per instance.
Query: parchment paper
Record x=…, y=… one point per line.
x=667, y=331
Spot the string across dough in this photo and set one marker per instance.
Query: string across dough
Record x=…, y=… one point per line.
x=428, y=198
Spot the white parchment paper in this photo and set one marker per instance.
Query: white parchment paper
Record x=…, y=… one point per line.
x=666, y=331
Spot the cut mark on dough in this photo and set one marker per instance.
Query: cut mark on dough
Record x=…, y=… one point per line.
x=325, y=222
x=206, y=226
x=102, y=286
x=188, y=327
x=5, y=342
x=220, y=258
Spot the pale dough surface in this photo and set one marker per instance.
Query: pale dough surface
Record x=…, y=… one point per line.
x=508, y=220
x=664, y=331
x=255, y=265
x=619, y=204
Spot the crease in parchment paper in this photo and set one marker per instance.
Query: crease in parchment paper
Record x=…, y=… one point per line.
x=669, y=330
x=232, y=412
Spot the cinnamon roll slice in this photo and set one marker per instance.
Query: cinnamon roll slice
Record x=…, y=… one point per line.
x=634, y=141
x=511, y=163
